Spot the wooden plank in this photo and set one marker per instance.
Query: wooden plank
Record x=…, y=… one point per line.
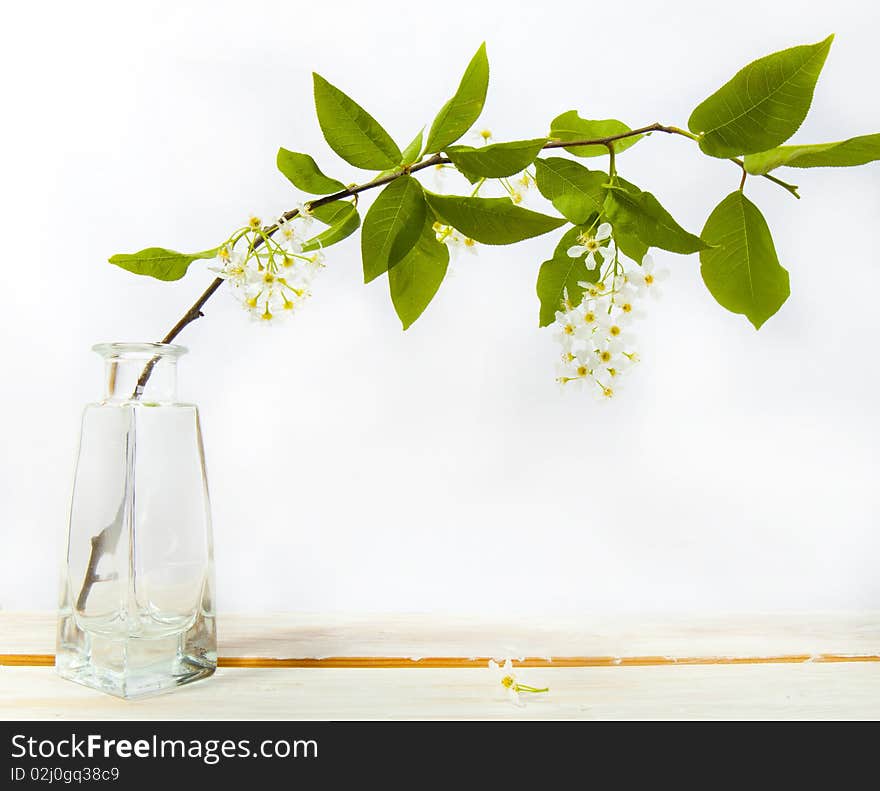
x=341, y=638
x=746, y=691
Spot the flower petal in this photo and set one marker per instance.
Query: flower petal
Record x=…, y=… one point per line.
x=603, y=231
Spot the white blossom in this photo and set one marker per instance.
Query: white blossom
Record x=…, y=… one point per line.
x=507, y=678
x=589, y=243
x=288, y=236
x=615, y=327
x=626, y=301
x=569, y=324
x=231, y=267
x=646, y=277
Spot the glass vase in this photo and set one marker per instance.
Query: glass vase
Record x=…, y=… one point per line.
x=137, y=593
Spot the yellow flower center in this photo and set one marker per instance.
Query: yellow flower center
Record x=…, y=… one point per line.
x=508, y=681
x=605, y=356
x=607, y=392
x=568, y=329
x=649, y=280
x=614, y=331
x=582, y=370
x=254, y=223
x=469, y=242
x=267, y=316
x=268, y=277
x=485, y=134
x=589, y=317
x=251, y=302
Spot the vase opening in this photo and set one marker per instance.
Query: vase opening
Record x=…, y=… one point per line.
x=145, y=372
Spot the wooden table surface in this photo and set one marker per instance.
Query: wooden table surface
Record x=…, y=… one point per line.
x=335, y=666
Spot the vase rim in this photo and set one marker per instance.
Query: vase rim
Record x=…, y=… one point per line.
x=147, y=349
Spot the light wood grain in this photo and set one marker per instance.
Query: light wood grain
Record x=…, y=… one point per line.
x=774, y=666
x=806, y=691
x=607, y=639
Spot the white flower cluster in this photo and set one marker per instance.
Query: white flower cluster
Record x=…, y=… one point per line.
x=268, y=272
x=596, y=333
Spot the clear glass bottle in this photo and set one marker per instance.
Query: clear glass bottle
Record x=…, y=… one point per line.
x=137, y=593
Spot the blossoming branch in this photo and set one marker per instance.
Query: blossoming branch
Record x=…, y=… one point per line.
x=591, y=286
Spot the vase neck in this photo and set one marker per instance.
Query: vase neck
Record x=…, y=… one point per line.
x=140, y=372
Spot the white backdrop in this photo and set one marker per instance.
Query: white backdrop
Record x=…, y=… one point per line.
x=442, y=469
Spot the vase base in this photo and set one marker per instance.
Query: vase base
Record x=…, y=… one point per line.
x=135, y=667
x=143, y=684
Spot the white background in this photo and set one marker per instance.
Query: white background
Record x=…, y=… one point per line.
x=357, y=467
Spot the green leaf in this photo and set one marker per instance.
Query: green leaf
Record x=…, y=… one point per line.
x=763, y=105
x=158, y=262
x=412, y=152
x=742, y=271
x=570, y=126
x=498, y=160
x=639, y=214
x=625, y=239
x=561, y=275
x=330, y=213
x=575, y=191
x=392, y=226
x=302, y=171
x=491, y=220
x=343, y=219
x=460, y=112
x=417, y=277
x=843, y=154
x=351, y=131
